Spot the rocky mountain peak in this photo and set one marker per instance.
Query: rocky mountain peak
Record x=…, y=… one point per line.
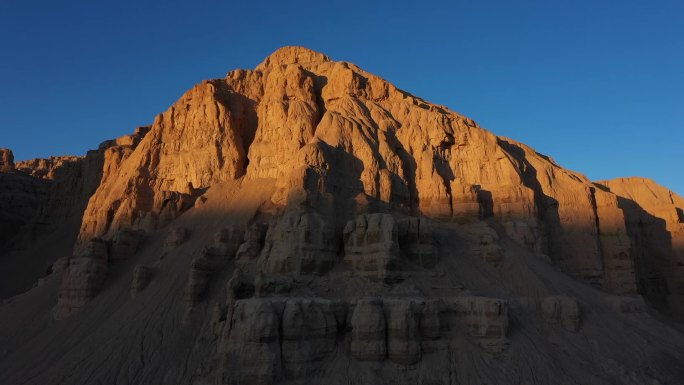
x=308, y=222
x=292, y=55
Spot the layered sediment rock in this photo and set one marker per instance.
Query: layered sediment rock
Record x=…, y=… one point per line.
x=175, y=237
x=125, y=243
x=196, y=142
x=485, y=243
x=241, y=286
x=226, y=243
x=527, y=234
x=299, y=243
x=369, y=330
x=309, y=333
x=482, y=317
x=371, y=246
x=655, y=227
x=250, y=350
x=83, y=279
x=214, y=257
x=198, y=278
x=141, y=277
x=249, y=251
x=403, y=332
x=417, y=242
x=618, y=262
x=562, y=311
x=271, y=339
x=21, y=198
x=291, y=338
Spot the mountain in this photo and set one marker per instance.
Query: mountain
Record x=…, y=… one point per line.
x=308, y=222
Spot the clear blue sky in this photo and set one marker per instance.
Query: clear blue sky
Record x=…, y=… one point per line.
x=597, y=85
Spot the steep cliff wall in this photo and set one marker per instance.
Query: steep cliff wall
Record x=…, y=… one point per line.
x=43, y=208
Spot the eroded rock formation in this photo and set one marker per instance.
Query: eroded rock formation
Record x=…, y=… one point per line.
x=47, y=200
x=6, y=160
x=416, y=240
x=655, y=232
x=371, y=245
x=175, y=238
x=369, y=330
x=141, y=277
x=562, y=311
x=343, y=231
x=83, y=278
x=300, y=243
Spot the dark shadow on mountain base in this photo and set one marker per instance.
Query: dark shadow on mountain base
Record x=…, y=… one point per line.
x=35, y=242
x=546, y=206
x=652, y=249
x=156, y=328
x=652, y=252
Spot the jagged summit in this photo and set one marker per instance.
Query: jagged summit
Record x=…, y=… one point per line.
x=6, y=160
x=307, y=222
x=291, y=55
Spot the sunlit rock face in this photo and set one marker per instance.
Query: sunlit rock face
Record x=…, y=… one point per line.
x=308, y=222
x=328, y=131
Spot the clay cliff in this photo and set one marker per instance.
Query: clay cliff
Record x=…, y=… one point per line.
x=308, y=221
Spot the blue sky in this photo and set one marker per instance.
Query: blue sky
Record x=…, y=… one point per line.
x=597, y=85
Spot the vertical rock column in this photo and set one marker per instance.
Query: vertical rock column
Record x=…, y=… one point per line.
x=6, y=160
x=371, y=246
x=83, y=279
x=369, y=330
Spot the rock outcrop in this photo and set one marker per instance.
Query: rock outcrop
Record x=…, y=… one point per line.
x=175, y=238
x=21, y=198
x=214, y=257
x=562, y=311
x=369, y=330
x=125, y=243
x=198, y=278
x=249, y=251
x=417, y=242
x=655, y=233
x=403, y=332
x=485, y=243
x=141, y=277
x=6, y=160
x=371, y=246
x=300, y=243
x=482, y=317
x=48, y=198
x=250, y=348
x=309, y=335
x=198, y=141
x=226, y=244
x=83, y=279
